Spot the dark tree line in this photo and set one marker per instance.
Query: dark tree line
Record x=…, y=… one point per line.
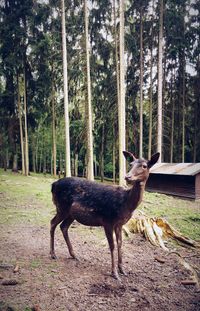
x=31, y=82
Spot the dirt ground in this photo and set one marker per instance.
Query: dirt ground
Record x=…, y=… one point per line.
x=44, y=284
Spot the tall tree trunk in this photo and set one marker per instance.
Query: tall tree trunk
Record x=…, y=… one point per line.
x=102, y=153
x=183, y=93
x=66, y=101
x=195, y=132
x=118, y=87
x=121, y=104
x=116, y=54
x=25, y=127
x=172, y=118
x=20, y=94
x=141, y=84
x=197, y=104
x=183, y=114
x=61, y=163
x=88, y=110
x=33, y=158
x=114, y=156
x=150, y=104
x=76, y=164
x=160, y=81
x=53, y=128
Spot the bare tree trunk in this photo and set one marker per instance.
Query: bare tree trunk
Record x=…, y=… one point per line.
x=183, y=96
x=172, y=120
x=102, y=153
x=53, y=128
x=88, y=110
x=141, y=84
x=33, y=158
x=114, y=157
x=25, y=127
x=160, y=81
x=121, y=106
x=183, y=115
x=76, y=164
x=197, y=102
x=150, y=105
x=20, y=93
x=116, y=54
x=66, y=101
x=195, y=133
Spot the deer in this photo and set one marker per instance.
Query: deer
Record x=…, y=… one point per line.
x=94, y=204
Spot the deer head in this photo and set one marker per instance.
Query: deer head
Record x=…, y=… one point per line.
x=139, y=168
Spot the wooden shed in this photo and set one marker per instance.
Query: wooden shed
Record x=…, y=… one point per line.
x=178, y=179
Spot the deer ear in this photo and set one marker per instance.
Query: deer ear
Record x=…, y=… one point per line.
x=129, y=156
x=153, y=159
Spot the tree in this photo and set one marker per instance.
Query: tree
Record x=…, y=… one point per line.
x=160, y=73
x=66, y=101
x=88, y=106
x=121, y=103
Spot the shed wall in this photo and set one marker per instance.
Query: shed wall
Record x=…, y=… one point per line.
x=177, y=185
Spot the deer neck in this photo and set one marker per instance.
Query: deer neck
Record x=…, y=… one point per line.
x=135, y=195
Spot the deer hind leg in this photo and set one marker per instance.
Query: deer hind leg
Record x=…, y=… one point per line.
x=118, y=233
x=54, y=222
x=64, y=228
x=109, y=236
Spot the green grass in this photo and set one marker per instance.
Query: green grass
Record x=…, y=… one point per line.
x=28, y=200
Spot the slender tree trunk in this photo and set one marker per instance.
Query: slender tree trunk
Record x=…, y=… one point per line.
x=150, y=105
x=53, y=128
x=44, y=163
x=183, y=114
x=66, y=101
x=61, y=163
x=183, y=94
x=121, y=107
x=114, y=156
x=197, y=104
x=19, y=82
x=41, y=159
x=33, y=158
x=118, y=88
x=76, y=164
x=195, y=132
x=172, y=119
x=160, y=81
x=88, y=110
x=102, y=153
x=25, y=127
x=141, y=84
x=116, y=55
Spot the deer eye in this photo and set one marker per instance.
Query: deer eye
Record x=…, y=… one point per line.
x=144, y=166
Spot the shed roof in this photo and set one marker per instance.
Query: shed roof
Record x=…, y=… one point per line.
x=189, y=169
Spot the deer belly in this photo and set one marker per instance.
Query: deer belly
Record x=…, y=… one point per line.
x=85, y=216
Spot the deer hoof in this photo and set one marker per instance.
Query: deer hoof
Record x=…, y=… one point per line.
x=121, y=271
x=53, y=256
x=115, y=275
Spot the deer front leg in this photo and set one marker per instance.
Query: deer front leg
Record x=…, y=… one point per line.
x=54, y=222
x=64, y=228
x=109, y=235
x=118, y=233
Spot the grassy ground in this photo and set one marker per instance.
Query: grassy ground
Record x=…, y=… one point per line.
x=33, y=194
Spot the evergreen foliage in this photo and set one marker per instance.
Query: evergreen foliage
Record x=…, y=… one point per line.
x=30, y=33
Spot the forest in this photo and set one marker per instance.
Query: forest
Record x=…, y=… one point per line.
x=140, y=56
